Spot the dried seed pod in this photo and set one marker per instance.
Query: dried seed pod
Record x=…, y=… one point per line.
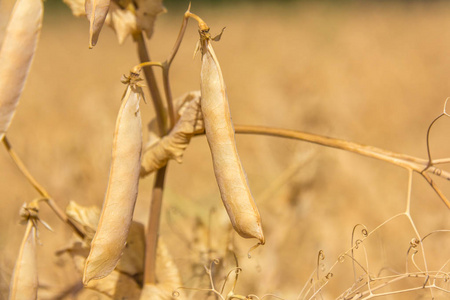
x=96, y=11
x=16, y=55
x=117, y=211
x=24, y=283
x=228, y=169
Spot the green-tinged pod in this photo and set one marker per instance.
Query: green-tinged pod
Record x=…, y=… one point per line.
x=117, y=211
x=24, y=283
x=16, y=55
x=230, y=175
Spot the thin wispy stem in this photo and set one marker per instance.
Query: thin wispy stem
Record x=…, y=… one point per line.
x=408, y=162
x=40, y=189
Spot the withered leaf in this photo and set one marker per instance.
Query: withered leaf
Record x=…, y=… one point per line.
x=167, y=275
x=132, y=260
x=85, y=216
x=116, y=285
x=172, y=146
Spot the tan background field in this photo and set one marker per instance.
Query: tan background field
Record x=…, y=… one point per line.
x=372, y=73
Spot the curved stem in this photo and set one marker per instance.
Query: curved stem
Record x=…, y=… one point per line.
x=402, y=160
x=180, y=36
x=40, y=189
x=152, y=85
x=168, y=93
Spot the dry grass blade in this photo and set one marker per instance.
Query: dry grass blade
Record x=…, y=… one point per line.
x=117, y=212
x=230, y=175
x=172, y=146
x=24, y=283
x=96, y=11
x=16, y=56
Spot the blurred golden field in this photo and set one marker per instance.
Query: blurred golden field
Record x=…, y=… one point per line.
x=372, y=73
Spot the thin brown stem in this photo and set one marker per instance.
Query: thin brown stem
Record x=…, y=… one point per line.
x=166, y=68
x=151, y=237
x=402, y=160
x=436, y=189
x=168, y=93
x=152, y=85
x=420, y=166
x=180, y=36
x=430, y=162
x=40, y=189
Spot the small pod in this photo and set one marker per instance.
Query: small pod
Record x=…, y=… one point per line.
x=24, y=283
x=16, y=55
x=117, y=211
x=96, y=11
x=228, y=169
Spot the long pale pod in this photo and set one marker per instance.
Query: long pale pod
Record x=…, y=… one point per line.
x=16, y=55
x=230, y=175
x=96, y=11
x=117, y=211
x=24, y=283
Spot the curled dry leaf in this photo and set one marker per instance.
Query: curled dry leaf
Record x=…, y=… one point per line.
x=132, y=259
x=96, y=11
x=167, y=275
x=230, y=175
x=87, y=217
x=16, y=55
x=117, y=211
x=172, y=146
x=122, y=281
x=125, y=16
x=117, y=285
x=24, y=283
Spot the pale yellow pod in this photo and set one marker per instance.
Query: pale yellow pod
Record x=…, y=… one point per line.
x=16, y=55
x=118, y=206
x=96, y=11
x=230, y=175
x=24, y=283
